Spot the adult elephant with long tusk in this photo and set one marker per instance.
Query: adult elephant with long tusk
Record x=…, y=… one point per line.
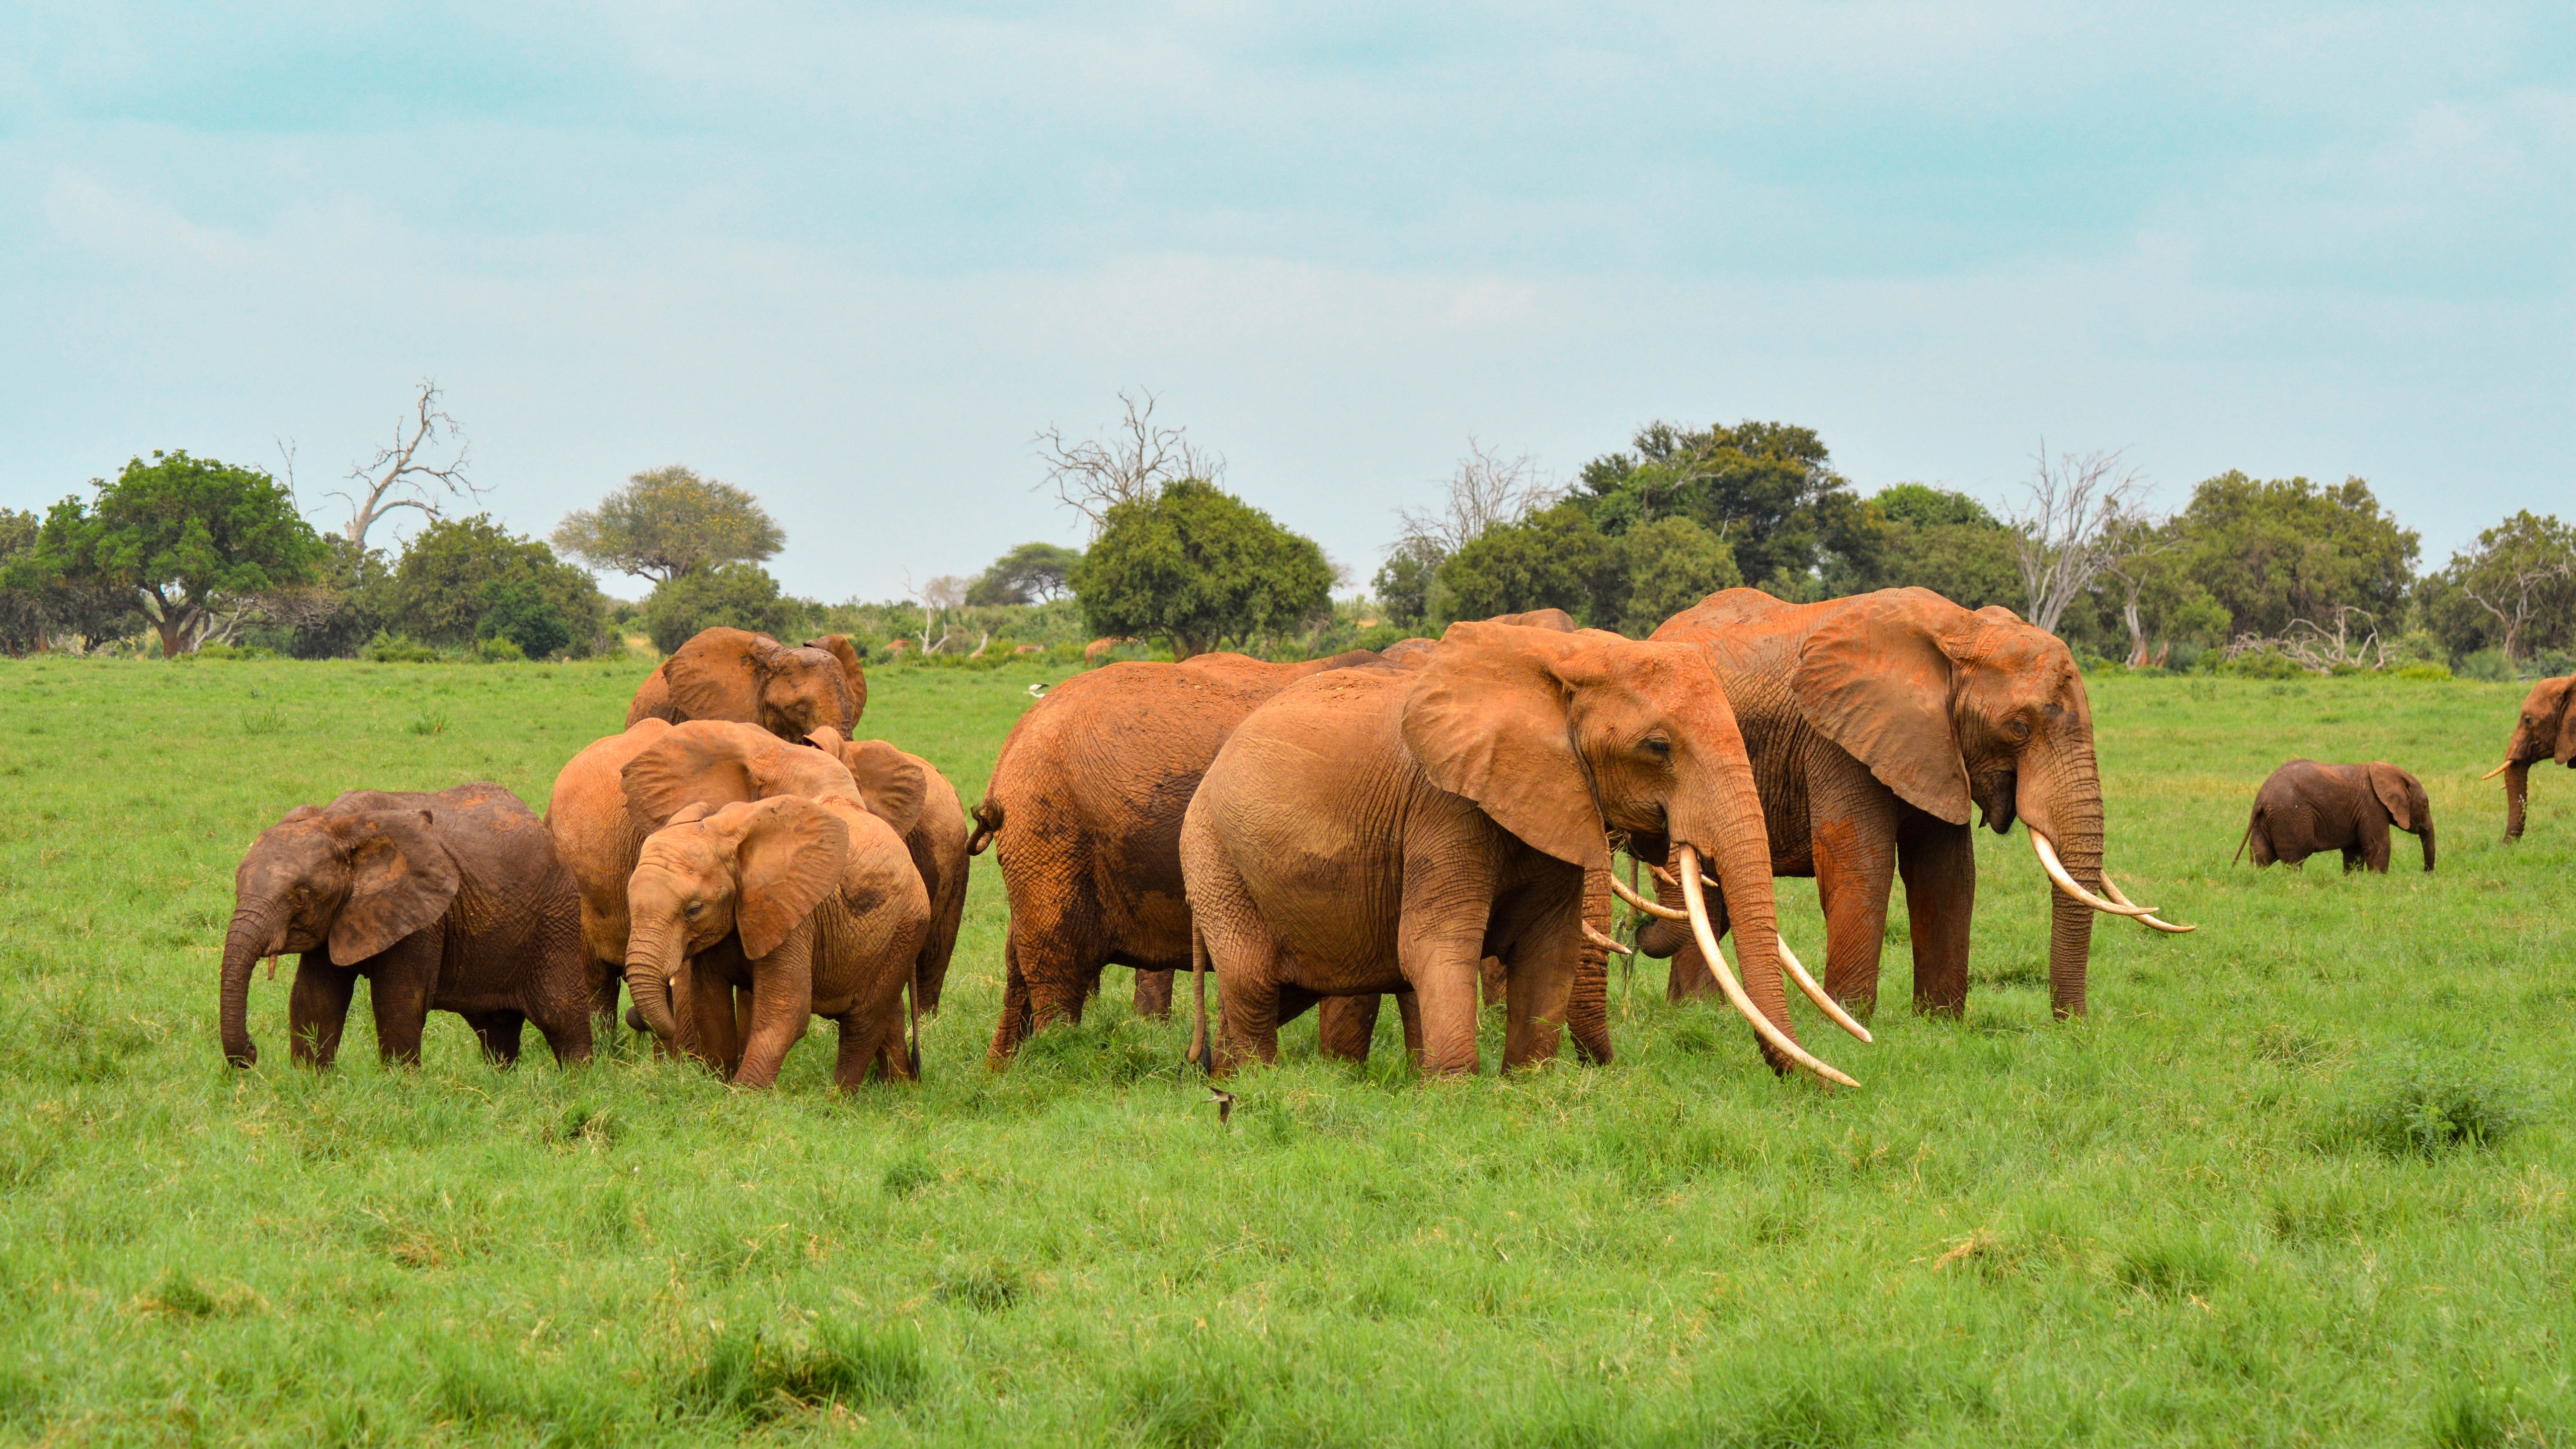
x=1381, y=830
x=1874, y=722
x=2546, y=730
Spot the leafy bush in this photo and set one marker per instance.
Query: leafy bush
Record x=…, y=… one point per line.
x=2421, y=671
x=499, y=650
x=2486, y=666
x=2413, y=1101
x=735, y=596
x=517, y=612
x=399, y=649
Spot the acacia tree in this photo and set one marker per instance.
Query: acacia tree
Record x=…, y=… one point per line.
x=1033, y=572
x=1201, y=566
x=668, y=521
x=2521, y=574
x=200, y=544
x=408, y=472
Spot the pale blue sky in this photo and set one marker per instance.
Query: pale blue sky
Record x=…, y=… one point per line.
x=853, y=257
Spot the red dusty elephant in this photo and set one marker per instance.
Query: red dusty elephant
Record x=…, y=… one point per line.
x=2546, y=730
x=937, y=840
x=1874, y=723
x=1387, y=830
x=734, y=674
x=453, y=901
x=1084, y=811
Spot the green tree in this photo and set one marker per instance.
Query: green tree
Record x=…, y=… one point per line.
x=194, y=540
x=668, y=522
x=1404, y=582
x=518, y=610
x=1768, y=489
x=1665, y=567
x=1201, y=566
x=439, y=588
x=354, y=599
x=728, y=596
x=2514, y=590
x=1032, y=573
x=2272, y=551
x=1555, y=559
x=1933, y=538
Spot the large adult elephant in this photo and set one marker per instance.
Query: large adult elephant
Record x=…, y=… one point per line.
x=453, y=901
x=2545, y=731
x=1388, y=830
x=734, y=674
x=1084, y=811
x=1874, y=722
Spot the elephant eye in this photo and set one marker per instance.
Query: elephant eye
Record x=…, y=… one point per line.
x=696, y=909
x=2018, y=728
x=1657, y=746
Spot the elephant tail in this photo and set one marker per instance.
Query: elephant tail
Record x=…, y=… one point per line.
x=988, y=823
x=1202, y=1055
x=2250, y=822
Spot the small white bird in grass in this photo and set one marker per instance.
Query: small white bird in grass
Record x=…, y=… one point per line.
x=1224, y=1104
x=1037, y=691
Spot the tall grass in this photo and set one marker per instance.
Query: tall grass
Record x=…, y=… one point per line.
x=2302, y=1177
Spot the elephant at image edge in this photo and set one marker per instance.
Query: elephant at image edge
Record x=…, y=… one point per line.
x=601, y=839
x=734, y=674
x=1874, y=722
x=2545, y=731
x=1084, y=812
x=1385, y=829
x=807, y=906
x=454, y=901
x=2306, y=807
x=937, y=841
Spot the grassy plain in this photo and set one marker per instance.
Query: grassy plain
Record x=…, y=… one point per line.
x=2230, y=1207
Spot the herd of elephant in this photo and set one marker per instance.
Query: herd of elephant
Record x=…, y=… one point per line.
x=1437, y=821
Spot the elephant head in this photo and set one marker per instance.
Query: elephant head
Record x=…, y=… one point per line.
x=755, y=870
x=354, y=881
x=1949, y=708
x=840, y=647
x=2402, y=796
x=734, y=674
x=1563, y=738
x=2545, y=731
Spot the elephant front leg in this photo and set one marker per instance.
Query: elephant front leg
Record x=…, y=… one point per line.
x=317, y=1009
x=499, y=1032
x=401, y=983
x=1939, y=863
x=782, y=1007
x=1153, y=994
x=1855, y=854
x=1345, y=1025
x=708, y=1006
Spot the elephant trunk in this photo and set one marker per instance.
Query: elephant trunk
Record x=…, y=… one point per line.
x=2428, y=845
x=1587, y=1013
x=653, y=955
x=2074, y=817
x=2517, y=788
x=254, y=933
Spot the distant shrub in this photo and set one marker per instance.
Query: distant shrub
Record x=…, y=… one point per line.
x=499, y=649
x=2486, y=666
x=399, y=649
x=2421, y=671
x=233, y=651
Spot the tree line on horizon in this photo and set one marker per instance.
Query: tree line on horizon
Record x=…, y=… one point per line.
x=183, y=553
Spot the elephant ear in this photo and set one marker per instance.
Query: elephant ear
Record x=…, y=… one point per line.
x=400, y=880
x=787, y=861
x=1875, y=679
x=1999, y=614
x=685, y=767
x=1487, y=719
x=840, y=647
x=300, y=812
x=2389, y=783
x=2566, y=750
x=889, y=780
x=718, y=674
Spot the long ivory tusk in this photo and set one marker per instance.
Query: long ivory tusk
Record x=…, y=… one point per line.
x=1653, y=908
x=2056, y=869
x=1597, y=939
x=2498, y=770
x=1779, y=1040
x=2169, y=927
x=1816, y=994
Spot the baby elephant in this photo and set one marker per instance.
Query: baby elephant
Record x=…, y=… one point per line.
x=453, y=901
x=2307, y=807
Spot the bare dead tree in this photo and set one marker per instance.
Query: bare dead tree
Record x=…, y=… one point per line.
x=2514, y=585
x=2072, y=514
x=404, y=473
x=943, y=594
x=2310, y=646
x=2134, y=543
x=1485, y=489
x=1129, y=463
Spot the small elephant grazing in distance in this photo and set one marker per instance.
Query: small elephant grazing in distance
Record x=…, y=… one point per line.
x=2307, y=807
x=454, y=901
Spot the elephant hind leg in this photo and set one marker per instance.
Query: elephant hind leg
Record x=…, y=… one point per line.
x=1153, y=994
x=1345, y=1025
x=499, y=1032
x=317, y=1009
x=1939, y=863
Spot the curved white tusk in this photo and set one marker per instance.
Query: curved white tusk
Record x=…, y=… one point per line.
x=2056, y=869
x=2168, y=927
x=1597, y=939
x=1656, y=909
x=2498, y=770
x=1743, y=1004
x=1816, y=994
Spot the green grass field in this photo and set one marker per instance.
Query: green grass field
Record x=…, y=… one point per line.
x=2302, y=1178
